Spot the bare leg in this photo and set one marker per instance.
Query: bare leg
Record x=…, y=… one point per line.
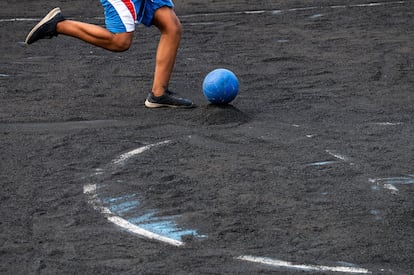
x=169, y=25
x=96, y=35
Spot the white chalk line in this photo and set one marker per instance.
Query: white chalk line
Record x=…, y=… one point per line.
x=390, y=182
x=279, y=11
x=18, y=19
x=124, y=157
x=91, y=191
x=394, y=190
x=391, y=187
x=338, y=156
x=303, y=267
x=388, y=123
x=246, y=12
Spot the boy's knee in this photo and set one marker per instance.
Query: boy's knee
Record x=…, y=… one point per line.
x=167, y=22
x=175, y=29
x=122, y=42
x=178, y=28
x=122, y=46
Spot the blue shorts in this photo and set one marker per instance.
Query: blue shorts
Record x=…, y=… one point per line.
x=123, y=15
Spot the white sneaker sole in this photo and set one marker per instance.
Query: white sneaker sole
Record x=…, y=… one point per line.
x=45, y=19
x=149, y=104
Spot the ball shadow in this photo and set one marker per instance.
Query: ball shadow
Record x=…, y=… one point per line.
x=220, y=114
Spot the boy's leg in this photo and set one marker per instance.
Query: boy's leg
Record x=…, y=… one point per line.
x=167, y=22
x=96, y=35
x=164, y=18
x=169, y=25
x=54, y=23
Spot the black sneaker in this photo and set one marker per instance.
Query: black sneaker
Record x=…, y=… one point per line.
x=46, y=28
x=168, y=99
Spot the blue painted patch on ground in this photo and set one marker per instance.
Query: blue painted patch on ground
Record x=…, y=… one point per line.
x=127, y=208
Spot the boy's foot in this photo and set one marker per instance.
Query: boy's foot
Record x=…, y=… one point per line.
x=168, y=99
x=46, y=28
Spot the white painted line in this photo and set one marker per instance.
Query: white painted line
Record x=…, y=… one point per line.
x=142, y=232
x=391, y=187
x=246, y=12
x=90, y=191
x=336, y=155
x=124, y=157
x=289, y=265
x=19, y=19
x=376, y=4
x=379, y=182
x=255, y=12
x=388, y=123
x=367, y=5
x=322, y=163
x=316, y=16
x=302, y=9
x=252, y=12
x=339, y=7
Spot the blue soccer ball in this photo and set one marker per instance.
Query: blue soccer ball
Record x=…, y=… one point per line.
x=220, y=86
